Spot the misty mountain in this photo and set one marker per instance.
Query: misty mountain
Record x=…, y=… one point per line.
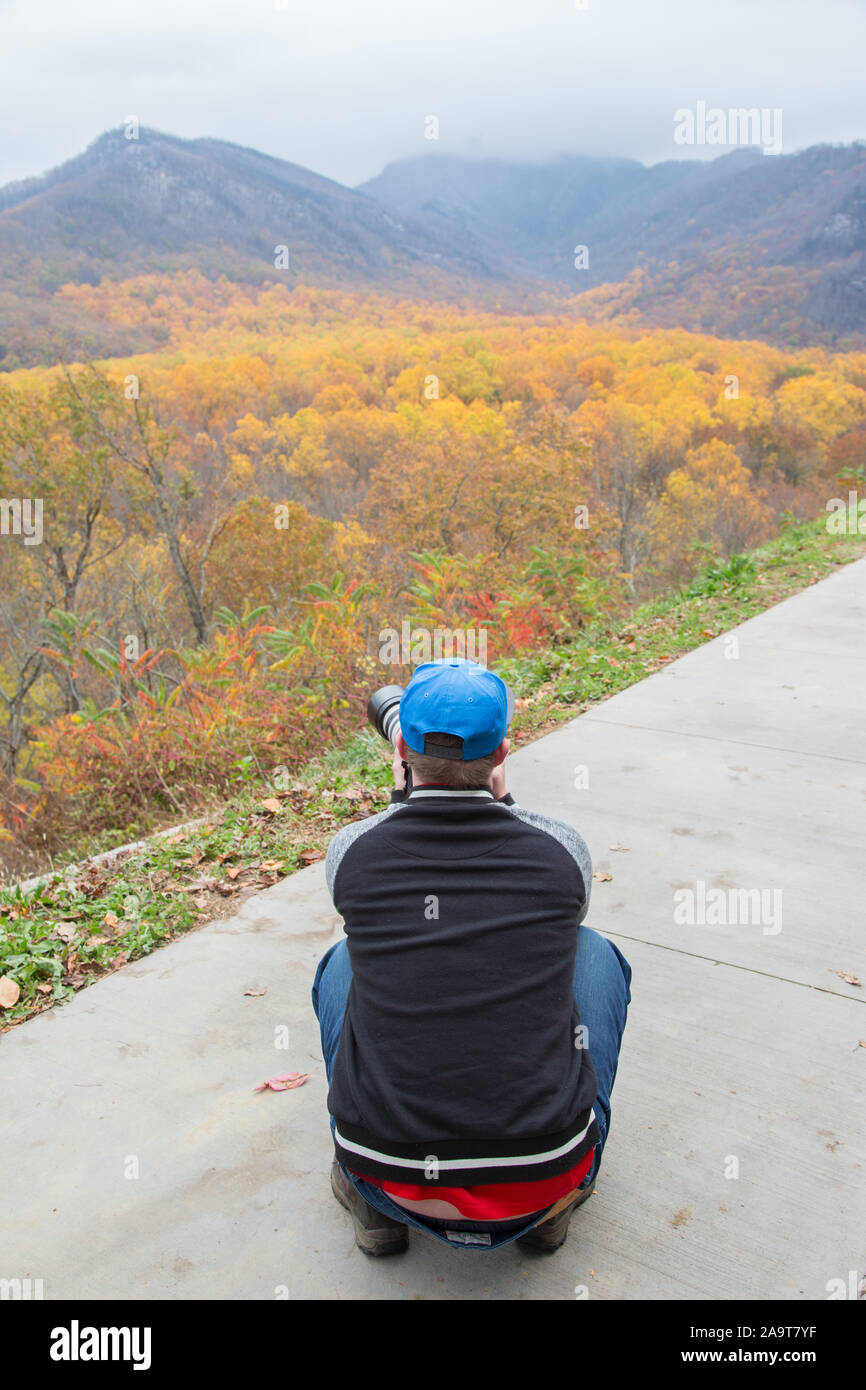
x=746, y=244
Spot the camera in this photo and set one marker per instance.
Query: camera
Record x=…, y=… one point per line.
x=383, y=711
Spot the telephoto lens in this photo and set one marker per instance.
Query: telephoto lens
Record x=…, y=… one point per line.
x=383, y=711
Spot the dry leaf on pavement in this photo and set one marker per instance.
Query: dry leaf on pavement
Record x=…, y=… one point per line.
x=283, y=1083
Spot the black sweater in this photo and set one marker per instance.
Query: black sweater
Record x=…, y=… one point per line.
x=459, y=1061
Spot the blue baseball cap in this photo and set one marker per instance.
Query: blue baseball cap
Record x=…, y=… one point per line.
x=459, y=697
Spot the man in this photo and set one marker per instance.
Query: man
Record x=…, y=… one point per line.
x=470, y=1026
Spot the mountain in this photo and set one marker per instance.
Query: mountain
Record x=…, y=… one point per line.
x=746, y=244
x=158, y=203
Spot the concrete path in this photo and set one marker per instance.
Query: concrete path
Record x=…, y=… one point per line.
x=735, y=771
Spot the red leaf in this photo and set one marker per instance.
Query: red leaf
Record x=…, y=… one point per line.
x=283, y=1083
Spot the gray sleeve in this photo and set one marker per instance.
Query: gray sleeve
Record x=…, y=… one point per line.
x=569, y=839
x=346, y=837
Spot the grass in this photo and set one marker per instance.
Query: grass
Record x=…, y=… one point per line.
x=69, y=931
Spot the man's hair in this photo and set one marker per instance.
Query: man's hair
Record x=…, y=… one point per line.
x=453, y=772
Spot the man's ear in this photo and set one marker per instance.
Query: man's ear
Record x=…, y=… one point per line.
x=400, y=745
x=501, y=752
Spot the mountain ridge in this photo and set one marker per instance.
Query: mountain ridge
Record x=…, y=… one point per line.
x=745, y=245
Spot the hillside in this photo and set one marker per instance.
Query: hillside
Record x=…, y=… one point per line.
x=220, y=557
x=746, y=245
x=126, y=207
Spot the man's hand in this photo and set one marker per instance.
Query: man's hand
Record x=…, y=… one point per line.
x=497, y=777
x=497, y=782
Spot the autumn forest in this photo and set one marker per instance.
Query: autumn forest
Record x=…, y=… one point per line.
x=218, y=533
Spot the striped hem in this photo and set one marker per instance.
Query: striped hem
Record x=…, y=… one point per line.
x=418, y=792
x=465, y=1170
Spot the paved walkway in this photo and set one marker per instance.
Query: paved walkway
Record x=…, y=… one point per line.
x=741, y=1053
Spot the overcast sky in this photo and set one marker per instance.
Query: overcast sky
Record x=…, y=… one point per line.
x=345, y=86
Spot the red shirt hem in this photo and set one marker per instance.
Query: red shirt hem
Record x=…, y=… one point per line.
x=491, y=1201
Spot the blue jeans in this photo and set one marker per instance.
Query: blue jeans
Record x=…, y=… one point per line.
x=602, y=993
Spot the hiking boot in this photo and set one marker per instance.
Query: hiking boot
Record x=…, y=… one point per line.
x=375, y=1233
x=550, y=1235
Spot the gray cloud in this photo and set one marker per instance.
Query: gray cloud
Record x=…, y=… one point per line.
x=343, y=88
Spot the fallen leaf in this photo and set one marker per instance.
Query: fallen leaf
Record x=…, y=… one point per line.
x=44, y=989
x=232, y=873
x=707, y=632
x=284, y=1083
x=200, y=902
x=849, y=979
x=271, y=865
x=205, y=885
x=602, y=876
x=861, y=1042
x=271, y=804
x=9, y=992
x=65, y=931
x=98, y=940
x=256, y=992
x=310, y=856
x=619, y=848
x=110, y=920
x=92, y=885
